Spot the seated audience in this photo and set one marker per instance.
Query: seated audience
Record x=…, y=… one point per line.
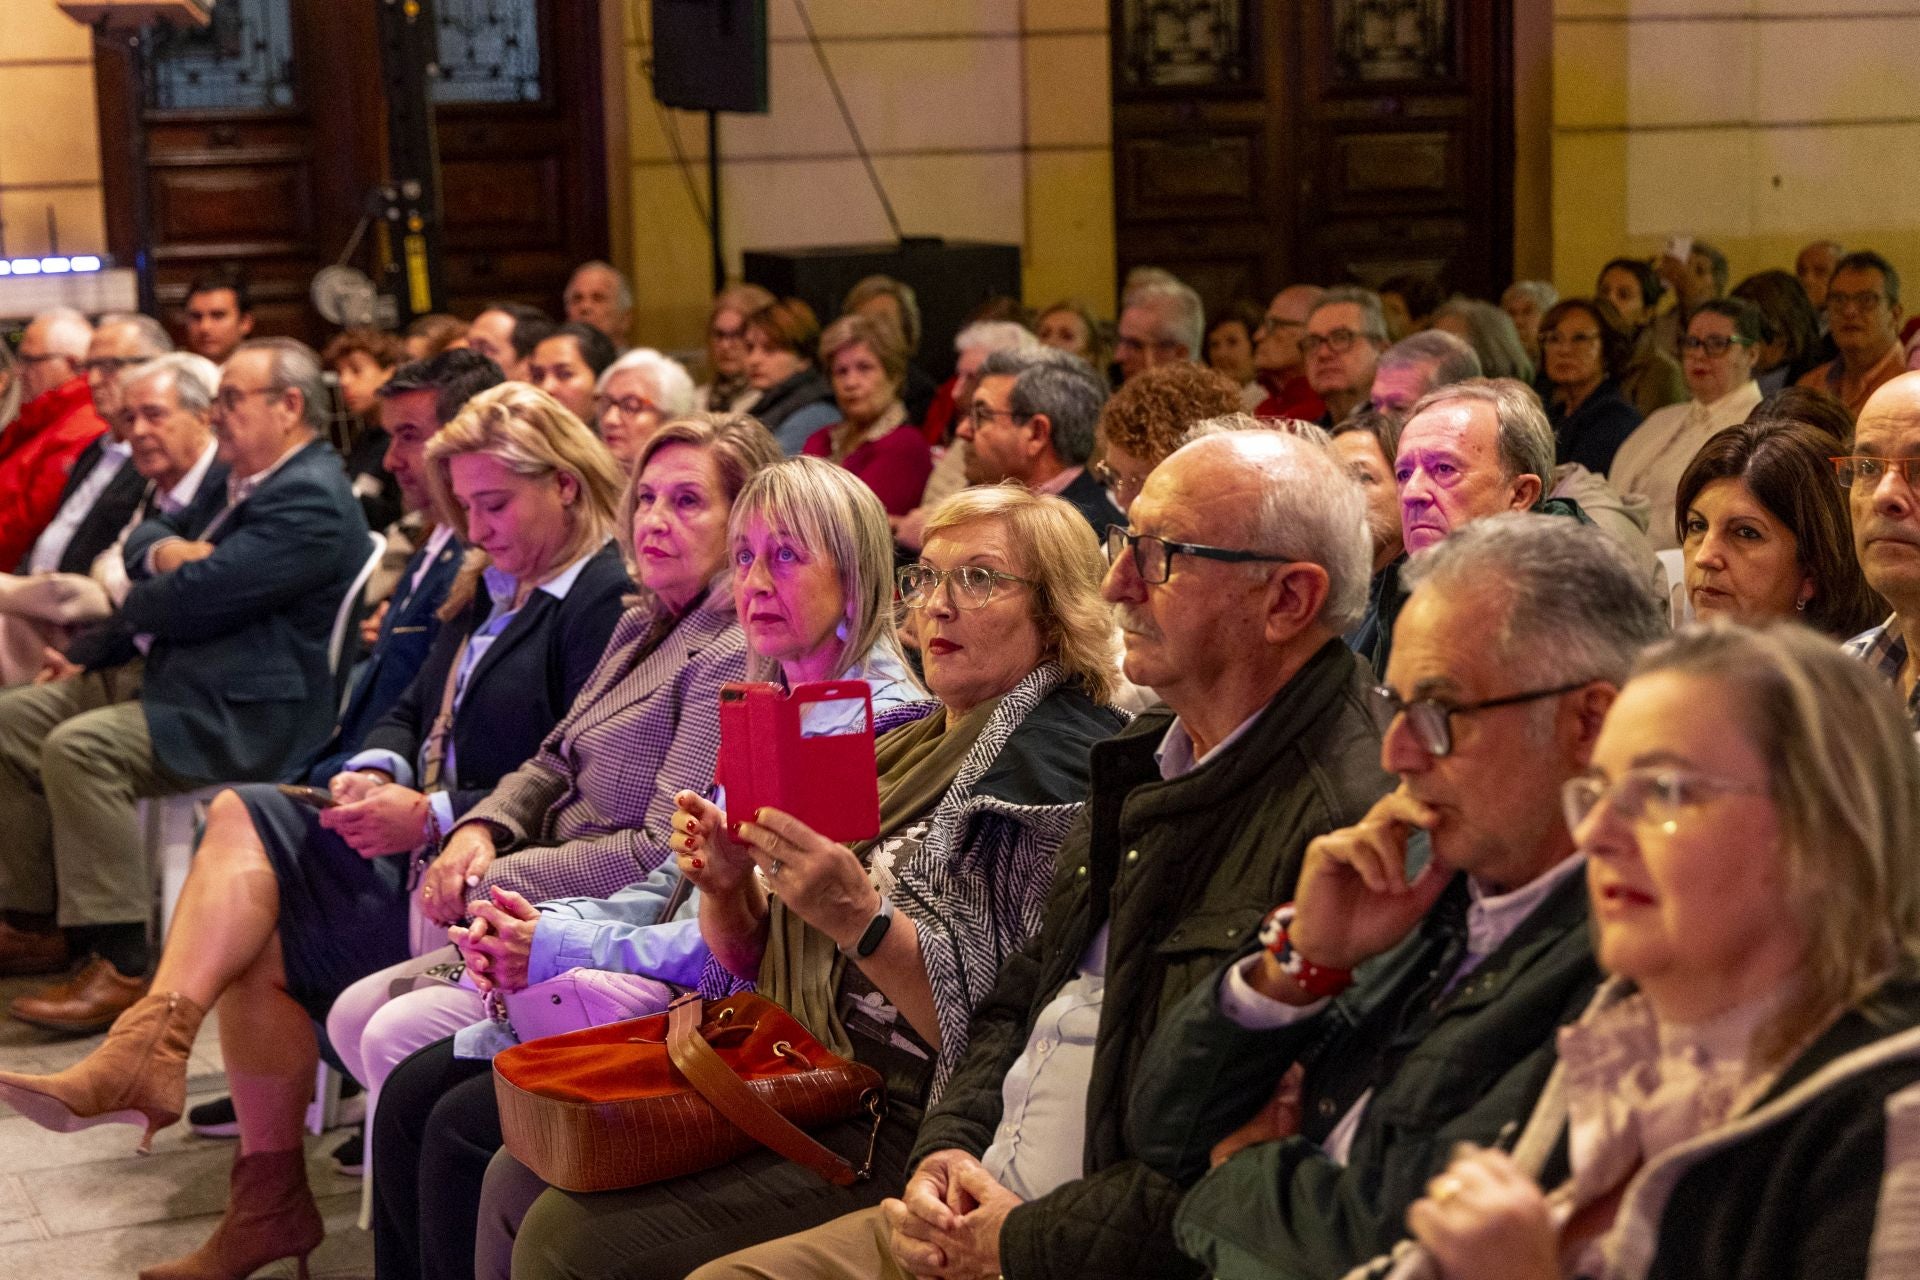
x=1245, y=560
x=56, y=423
x=599, y=296
x=1229, y=349
x=1719, y=352
x=1791, y=345
x=972, y=345
x=1525, y=302
x=635, y=395
x=286, y=904
x=1278, y=361
x=567, y=364
x=429, y=335
x=102, y=489
x=1416, y=365
x=727, y=389
x=1021, y=670
x=1408, y=301
x=1367, y=442
x=506, y=333
x=225, y=675
x=1032, y=420
x=1766, y=533
x=894, y=302
x=1491, y=334
x=1071, y=326
x=160, y=424
x=795, y=398
x=1345, y=335
x=867, y=362
x=1586, y=351
x=1162, y=320
x=361, y=360
x=218, y=313
x=1149, y=417
x=1651, y=378
x=1735, y=1100
x=1459, y=899
x=1863, y=319
x=1467, y=451
x=1881, y=480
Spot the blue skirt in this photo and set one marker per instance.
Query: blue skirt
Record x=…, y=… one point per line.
x=342, y=916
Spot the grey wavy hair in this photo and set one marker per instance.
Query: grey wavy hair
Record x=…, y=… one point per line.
x=1491, y=333
x=152, y=336
x=1182, y=316
x=1452, y=359
x=1060, y=385
x=1373, y=321
x=670, y=379
x=195, y=379
x=295, y=367
x=1575, y=607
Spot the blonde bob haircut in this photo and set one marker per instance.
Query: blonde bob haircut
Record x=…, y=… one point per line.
x=532, y=435
x=1053, y=546
x=1845, y=774
x=740, y=448
x=830, y=512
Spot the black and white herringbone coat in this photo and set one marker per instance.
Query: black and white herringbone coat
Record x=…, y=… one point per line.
x=976, y=885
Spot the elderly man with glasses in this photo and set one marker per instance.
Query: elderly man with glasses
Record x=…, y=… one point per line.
x=1245, y=559
x=1346, y=332
x=1032, y=421
x=1882, y=475
x=1313, y=1105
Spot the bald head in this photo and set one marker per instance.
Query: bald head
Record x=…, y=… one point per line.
x=51, y=351
x=1885, y=508
x=1277, y=353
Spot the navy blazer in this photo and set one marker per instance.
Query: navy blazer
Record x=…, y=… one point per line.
x=104, y=519
x=109, y=643
x=237, y=686
x=406, y=637
x=1089, y=497
x=523, y=684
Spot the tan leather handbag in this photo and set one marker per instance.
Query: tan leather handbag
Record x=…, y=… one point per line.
x=660, y=1097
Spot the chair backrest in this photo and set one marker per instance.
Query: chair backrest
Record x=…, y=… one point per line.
x=345, y=628
x=1673, y=566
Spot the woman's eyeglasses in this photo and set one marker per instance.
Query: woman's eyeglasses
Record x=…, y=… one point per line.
x=972, y=584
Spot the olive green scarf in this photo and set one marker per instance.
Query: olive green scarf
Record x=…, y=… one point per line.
x=800, y=969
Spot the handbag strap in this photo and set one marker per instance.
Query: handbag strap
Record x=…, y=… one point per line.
x=718, y=1083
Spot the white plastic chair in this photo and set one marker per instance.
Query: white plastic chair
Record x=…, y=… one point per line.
x=1673, y=564
x=171, y=824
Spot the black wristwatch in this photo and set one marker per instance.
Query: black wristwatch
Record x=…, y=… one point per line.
x=875, y=932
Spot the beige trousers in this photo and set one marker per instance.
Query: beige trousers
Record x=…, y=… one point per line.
x=853, y=1247
x=75, y=757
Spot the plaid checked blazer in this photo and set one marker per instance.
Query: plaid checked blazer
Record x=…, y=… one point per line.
x=589, y=813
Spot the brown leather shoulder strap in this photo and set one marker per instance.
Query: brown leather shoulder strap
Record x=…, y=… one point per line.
x=721, y=1086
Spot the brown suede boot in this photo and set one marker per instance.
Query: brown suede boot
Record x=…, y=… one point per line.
x=270, y=1215
x=139, y=1076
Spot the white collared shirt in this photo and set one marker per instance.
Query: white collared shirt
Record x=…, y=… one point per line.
x=53, y=540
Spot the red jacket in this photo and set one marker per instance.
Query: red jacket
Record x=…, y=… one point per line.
x=36, y=452
x=1292, y=398
x=895, y=466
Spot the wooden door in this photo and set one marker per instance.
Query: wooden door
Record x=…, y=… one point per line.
x=1260, y=144
x=259, y=139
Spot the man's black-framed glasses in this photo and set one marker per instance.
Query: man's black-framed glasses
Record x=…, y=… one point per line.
x=1153, y=556
x=1432, y=720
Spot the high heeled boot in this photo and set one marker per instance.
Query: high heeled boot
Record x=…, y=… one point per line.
x=270, y=1215
x=137, y=1076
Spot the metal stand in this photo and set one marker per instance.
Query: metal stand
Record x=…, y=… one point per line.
x=713, y=201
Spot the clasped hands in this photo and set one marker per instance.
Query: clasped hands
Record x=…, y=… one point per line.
x=947, y=1222
x=374, y=814
x=499, y=942
x=817, y=878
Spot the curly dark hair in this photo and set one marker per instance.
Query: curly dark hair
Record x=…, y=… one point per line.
x=1150, y=413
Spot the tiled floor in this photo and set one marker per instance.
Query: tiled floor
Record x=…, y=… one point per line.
x=83, y=1206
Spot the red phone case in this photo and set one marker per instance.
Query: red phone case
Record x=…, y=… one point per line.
x=768, y=759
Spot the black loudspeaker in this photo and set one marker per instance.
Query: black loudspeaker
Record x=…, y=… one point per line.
x=710, y=55
x=949, y=280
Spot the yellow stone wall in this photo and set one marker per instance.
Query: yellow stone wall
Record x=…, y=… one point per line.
x=1755, y=124
x=987, y=120
x=49, y=135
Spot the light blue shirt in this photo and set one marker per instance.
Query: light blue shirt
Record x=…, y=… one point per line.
x=501, y=588
x=53, y=540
